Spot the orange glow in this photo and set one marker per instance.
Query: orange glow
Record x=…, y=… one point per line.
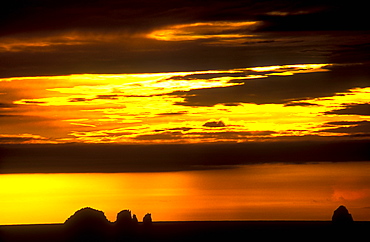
x=55, y=40
x=205, y=30
x=291, y=69
x=270, y=191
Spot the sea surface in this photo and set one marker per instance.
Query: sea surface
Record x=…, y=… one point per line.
x=201, y=230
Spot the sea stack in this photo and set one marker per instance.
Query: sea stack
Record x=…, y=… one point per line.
x=147, y=220
x=341, y=216
x=87, y=218
x=87, y=224
x=124, y=219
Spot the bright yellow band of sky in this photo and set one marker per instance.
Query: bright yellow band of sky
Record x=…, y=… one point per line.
x=253, y=192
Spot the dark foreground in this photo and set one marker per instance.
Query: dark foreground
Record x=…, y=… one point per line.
x=188, y=231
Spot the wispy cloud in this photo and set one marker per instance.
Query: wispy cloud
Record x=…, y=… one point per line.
x=218, y=32
x=23, y=139
x=354, y=109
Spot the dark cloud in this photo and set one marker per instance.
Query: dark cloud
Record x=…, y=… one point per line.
x=359, y=128
x=349, y=51
x=344, y=123
x=182, y=134
x=113, y=97
x=13, y=139
x=208, y=76
x=9, y=116
x=174, y=113
x=143, y=15
x=125, y=54
x=109, y=36
x=214, y=124
x=40, y=15
x=232, y=104
x=282, y=89
x=319, y=16
x=34, y=102
x=156, y=158
x=82, y=99
x=304, y=104
x=357, y=109
x=5, y=109
x=78, y=99
x=6, y=105
x=181, y=128
x=10, y=140
x=236, y=135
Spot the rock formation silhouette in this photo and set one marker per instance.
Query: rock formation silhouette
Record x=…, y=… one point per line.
x=87, y=224
x=126, y=226
x=124, y=218
x=134, y=219
x=147, y=220
x=341, y=216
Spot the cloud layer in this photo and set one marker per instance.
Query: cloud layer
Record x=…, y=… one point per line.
x=231, y=105
x=140, y=72
x=70, y=37
x=71, y=158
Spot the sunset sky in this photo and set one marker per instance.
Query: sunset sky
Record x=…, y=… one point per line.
x=191, y=110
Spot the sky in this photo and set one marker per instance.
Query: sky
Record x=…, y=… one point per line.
x=187, y=88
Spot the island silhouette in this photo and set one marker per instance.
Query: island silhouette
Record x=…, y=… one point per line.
x=341, y=216
x=89, y=224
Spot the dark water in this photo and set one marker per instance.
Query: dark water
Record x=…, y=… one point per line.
x=206, y=231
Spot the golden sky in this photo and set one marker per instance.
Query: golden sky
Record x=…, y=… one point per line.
x=213, y=96
x=157, y=107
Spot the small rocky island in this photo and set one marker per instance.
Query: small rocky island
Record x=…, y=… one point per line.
x=88, y=224
x=341, y=216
